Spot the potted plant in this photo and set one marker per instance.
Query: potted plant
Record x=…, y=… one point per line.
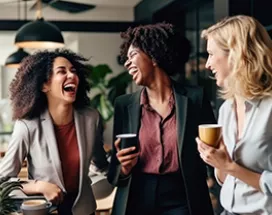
x=7, y=204
x=105, y=90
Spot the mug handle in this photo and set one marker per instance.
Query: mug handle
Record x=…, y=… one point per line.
x=51, y=208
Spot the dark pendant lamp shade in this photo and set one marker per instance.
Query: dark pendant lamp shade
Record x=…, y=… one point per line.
x=14, y=60
x=39, y=34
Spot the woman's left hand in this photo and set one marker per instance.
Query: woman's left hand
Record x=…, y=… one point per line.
x=217, y=157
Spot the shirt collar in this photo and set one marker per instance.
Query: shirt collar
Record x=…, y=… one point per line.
x=145, y=102
x=249, y=103
x=144, y=97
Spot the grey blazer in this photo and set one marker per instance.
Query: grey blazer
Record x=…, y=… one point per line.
x=35, y=140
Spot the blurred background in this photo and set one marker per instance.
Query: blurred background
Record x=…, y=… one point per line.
x=92, y=28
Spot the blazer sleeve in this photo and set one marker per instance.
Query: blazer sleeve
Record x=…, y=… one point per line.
x=115, y=166
x=266, y=183
x=206, y=117
x=206, y=111
x=99, y=160
x=17, y=151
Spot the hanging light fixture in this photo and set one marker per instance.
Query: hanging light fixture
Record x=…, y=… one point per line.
x=39, y=33
x=14, y=60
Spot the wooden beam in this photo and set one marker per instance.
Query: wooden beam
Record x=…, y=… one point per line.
x=73, y=26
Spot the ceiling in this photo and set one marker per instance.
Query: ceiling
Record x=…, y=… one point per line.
x=108, y=3
x=105, y=10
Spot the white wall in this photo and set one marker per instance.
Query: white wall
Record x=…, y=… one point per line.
x=101, y=48
x=7, y=48
x=7, y=76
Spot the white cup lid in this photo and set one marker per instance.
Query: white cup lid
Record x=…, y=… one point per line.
x=126, y=135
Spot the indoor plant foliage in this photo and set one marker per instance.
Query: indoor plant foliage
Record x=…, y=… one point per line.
x=105, y=90
x=7, y=204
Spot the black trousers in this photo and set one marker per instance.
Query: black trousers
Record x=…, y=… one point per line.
x=157, y=194
x=65, y=208
x=228, y=213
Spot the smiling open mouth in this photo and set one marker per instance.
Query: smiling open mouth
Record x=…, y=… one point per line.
x=69, y=88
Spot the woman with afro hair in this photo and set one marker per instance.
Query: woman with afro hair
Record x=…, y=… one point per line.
x=166, y=175
x=55, y=130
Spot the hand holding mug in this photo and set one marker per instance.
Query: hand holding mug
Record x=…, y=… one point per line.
x=217, y=157
x=126, y=146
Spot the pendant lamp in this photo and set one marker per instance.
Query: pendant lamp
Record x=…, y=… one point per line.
x=14, y=60
x=39, y=34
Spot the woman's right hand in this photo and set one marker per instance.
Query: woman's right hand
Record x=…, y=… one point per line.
x=50, y=191
x=126, y=158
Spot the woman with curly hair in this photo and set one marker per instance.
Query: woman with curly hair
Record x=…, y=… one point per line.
x=240, y=56
x=166, y=175
x=55, y=130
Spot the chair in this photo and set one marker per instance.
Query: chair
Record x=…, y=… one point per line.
x=104, y=205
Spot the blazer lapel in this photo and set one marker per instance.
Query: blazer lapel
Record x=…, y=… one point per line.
x=134, y=110
x=79, y=121
x=49, y=134
x=181, y=115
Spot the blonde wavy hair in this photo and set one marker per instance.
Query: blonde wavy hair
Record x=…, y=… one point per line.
x=249, y=50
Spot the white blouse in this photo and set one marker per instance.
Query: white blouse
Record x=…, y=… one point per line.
x=254, y=152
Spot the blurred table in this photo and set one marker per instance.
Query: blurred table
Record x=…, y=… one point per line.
x=107, y=147
x=103, y=205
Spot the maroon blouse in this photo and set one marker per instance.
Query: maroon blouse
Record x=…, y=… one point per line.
x=158, y=139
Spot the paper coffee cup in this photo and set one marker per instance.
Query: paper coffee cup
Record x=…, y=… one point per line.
x=34, y=204
x=36, y=207
x=210, y=134
x=128, y=140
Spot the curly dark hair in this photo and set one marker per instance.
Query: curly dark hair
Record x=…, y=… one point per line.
x=162, y=42
x=27, y=99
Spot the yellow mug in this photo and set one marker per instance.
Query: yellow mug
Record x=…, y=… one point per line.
x=210, y=134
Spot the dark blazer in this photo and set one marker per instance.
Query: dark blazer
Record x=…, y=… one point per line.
x=192, y=109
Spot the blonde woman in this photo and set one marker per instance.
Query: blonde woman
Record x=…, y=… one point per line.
x=240, y=56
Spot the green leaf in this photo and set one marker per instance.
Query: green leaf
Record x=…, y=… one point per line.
x=105, y=108
x=95, y=101
x=99, y=73
x=7, y=204
x=107, y=90
x=4, y=179
x=6, y=191
x=123, y=78
x=118, y=85
x=116, y=91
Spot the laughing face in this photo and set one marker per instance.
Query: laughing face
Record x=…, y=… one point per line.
x=140, y=66
x=217, y=62
x=63, y=84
